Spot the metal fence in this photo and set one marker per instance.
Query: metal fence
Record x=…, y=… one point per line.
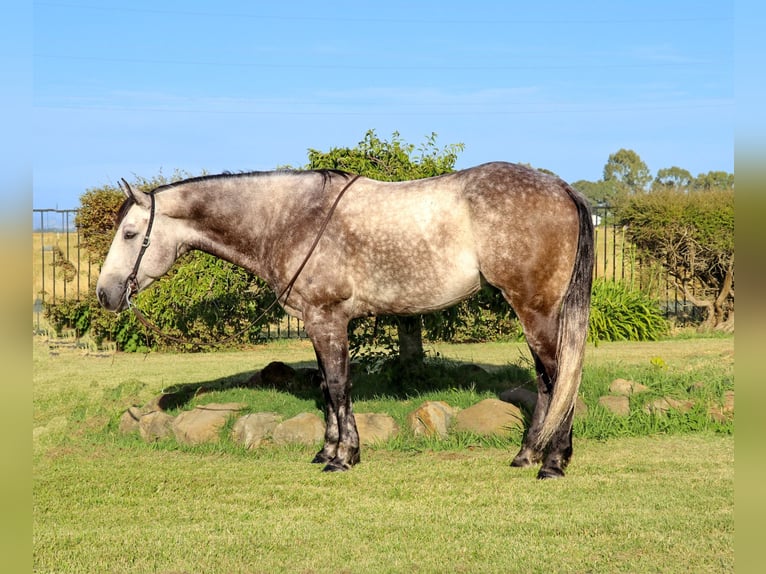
x=64, y=270
x=618, y=260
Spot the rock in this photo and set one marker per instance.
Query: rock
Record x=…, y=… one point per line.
x=252, y=430
x=431, y=418
x=619, y=405
x=129, y=420
x=155, y=404
x=203, y=423
x=276, y=374
x=626, y=388
x=665, y=404
x=155, y=426
x=526, y=400
x=725, y=412
x=490, y=416
x=581, y=409
x=305, y=428
x=375, y=427
x=522, y=398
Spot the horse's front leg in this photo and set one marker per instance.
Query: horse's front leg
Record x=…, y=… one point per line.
x=329, y=334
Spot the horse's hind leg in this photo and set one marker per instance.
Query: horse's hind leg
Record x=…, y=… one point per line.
x=529, y=455
x=541, y=331
x=559, y=451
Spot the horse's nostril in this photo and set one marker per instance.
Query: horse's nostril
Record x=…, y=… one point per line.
x=101, y=296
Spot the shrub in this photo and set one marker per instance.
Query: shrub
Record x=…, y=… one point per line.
x=203, y=301
x=619, y=313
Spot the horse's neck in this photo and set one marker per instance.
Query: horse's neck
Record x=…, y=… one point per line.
x=241, y=220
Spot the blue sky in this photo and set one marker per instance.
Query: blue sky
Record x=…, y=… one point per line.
x=132, y=88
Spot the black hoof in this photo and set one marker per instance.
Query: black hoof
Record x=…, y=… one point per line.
x=320, y=458
x=525, y=458
x=335, y=466
x=521, y=462
x=546, y=473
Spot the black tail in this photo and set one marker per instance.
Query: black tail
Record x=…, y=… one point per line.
x=573, y=327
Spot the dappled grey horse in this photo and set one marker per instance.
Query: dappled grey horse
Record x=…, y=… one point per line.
x=335, y=246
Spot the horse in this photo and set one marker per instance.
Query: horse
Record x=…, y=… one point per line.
x=336, y=246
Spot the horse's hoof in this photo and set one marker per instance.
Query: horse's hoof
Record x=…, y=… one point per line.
x=525, y=458
x=546, y=473
x=521, y=462
x=320, y=459
x=334, y=466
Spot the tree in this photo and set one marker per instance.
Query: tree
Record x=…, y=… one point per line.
x=598, y=192
x=95, y=219
x=672, y=179
x=392, y=160
x=692, y=236
x=713, y=180
x=627, y=173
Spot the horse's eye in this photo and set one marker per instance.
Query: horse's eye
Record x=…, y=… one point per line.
x=129, y=234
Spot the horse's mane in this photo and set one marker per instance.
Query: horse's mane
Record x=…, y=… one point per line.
x=325, y=173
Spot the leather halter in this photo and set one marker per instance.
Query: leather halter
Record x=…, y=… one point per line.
x=131, y=285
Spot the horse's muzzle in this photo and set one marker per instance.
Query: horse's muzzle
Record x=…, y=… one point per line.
x=111, y=299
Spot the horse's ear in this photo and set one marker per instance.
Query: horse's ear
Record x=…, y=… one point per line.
x=140, y=198
x=125, y=188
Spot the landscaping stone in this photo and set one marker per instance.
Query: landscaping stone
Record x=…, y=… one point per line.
x=305, y=428
x=375, y=427
x=619, y=405
x=129, y=420
x=253, y=429
x=490, y=416
x=276, y=374
x=626, y=388
x=722, y=413
x=431, y=418
x=665, y=404
x=522, y=398
x=204, y=423
x=581, y=409
x=526, y=400
x=155, y=426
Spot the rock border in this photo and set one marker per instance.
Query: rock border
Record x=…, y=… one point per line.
x=498, y=417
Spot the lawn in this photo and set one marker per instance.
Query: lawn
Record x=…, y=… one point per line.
x=105, y=503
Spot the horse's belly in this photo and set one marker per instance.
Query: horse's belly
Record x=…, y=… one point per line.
x=417, y=286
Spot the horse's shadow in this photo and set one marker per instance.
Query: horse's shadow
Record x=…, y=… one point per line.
x=392, y=381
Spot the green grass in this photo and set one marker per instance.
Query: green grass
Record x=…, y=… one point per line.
x=106, y=503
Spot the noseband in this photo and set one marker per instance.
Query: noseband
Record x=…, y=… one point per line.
x=131, y=284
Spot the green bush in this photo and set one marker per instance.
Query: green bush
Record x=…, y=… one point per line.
x=203, y=301
x=619, y=313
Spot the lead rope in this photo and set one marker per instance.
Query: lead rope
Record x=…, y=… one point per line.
x=132, y=286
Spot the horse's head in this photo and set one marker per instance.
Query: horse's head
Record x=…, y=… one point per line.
x=144, y=248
